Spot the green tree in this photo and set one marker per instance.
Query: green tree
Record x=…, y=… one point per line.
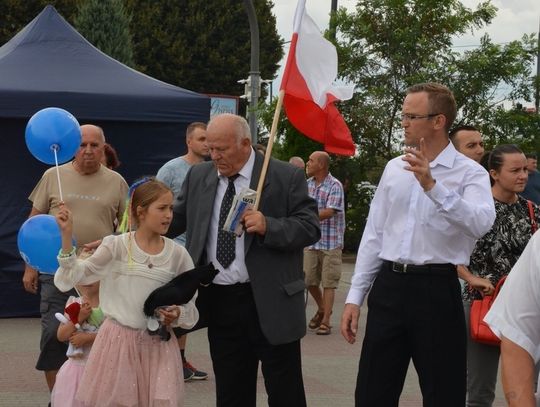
x=105, y=23
x=202, y=45
x=387, y=45
x=16, y=14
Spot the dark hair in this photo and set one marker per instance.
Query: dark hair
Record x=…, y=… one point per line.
x=457, y=129
x=496, y=157
x=484, y=161
x=531, y=155
x=111, y=157
x=261, y=148
x=441, y=100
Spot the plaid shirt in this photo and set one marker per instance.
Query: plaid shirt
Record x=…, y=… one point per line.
x=329, y=195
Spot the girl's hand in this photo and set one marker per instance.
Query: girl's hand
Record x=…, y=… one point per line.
x=169, y=314
x=64, y=218
x=79, y=338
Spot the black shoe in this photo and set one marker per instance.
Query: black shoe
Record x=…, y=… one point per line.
x=188, y=374
x=195, y=374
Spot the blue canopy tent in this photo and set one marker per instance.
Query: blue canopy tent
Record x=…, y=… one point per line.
x=48, y=63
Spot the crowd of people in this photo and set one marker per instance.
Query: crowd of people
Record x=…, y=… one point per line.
x=443, y=209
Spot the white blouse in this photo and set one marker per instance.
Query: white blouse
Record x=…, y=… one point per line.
x=125, y=284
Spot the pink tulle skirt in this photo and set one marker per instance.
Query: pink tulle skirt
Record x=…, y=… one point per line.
x=67, y=383
x=128, y=368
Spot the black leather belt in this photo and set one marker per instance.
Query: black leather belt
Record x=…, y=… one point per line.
x=435, y=268
x=238, y=288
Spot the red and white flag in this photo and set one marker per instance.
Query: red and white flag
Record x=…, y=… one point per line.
x=309, y=90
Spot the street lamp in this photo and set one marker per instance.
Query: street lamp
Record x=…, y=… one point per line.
x=270, y=83
x=254, y=74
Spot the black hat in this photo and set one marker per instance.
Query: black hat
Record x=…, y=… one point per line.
x=181, y=289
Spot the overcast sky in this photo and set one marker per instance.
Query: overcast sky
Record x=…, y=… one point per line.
x=514, y=18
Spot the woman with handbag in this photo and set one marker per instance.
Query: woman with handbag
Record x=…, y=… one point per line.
x=493, y=257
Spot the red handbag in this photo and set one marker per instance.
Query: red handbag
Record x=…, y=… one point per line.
x=480, y=331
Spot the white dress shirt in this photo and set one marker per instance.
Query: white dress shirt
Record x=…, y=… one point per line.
x=515, y=314
x=237, y=270
x=410, y=226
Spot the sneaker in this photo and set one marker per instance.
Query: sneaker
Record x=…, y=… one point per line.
x=195, y=374
x=188, y=373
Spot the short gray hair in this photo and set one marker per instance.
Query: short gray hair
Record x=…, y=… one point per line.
x=242, y=126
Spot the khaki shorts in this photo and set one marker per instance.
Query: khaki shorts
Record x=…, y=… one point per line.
x=322, y=266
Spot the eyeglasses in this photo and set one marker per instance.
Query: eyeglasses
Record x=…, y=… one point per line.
x=409, y=117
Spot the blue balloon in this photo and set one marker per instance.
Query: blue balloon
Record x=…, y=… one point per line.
x=53, y=129
x=39, y=241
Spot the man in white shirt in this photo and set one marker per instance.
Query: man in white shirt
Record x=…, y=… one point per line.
x=431, y=206
x=515, y=318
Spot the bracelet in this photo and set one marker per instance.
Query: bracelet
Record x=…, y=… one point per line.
x=63, y=255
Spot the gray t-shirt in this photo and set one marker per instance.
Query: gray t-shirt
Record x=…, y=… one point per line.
x=173, y=173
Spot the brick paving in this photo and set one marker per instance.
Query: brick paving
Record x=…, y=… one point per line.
x=329, y=363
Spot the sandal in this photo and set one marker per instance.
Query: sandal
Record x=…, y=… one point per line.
x=315, y=322
x=324, y=330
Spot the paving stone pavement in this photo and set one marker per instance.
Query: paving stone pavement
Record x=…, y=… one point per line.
x=329, y=364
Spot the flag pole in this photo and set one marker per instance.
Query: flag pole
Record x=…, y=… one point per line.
x=269, y=146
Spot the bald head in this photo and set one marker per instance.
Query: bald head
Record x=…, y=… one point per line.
x=95, y=131
x=91, y=151
x=318, y=164
x=297, y=162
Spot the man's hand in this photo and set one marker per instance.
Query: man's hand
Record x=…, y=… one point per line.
x=90, y=247
x=30, y=279
x=254, y=222
x=419, y=165
x=349, y=322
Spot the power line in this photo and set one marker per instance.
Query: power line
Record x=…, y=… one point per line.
x=478, y=45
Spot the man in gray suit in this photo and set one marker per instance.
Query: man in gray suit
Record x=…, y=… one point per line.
x=256, y=303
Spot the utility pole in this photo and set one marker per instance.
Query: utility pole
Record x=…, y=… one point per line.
x=254, y=73
x=537, y=96
x=333, y=10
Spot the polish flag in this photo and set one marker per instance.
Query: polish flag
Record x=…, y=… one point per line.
x=309, y=90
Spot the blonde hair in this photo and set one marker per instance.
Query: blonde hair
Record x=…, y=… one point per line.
x=142, y=193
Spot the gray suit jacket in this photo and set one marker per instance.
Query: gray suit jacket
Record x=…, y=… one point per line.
x=274, y=262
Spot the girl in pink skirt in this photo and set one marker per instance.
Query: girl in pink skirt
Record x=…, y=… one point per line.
x=127, y=366
x=80, y=333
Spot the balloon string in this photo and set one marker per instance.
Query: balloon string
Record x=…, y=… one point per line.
x=58, y=176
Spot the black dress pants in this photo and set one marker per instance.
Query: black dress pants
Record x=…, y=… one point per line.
x=237, y=344
x=418, y=317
